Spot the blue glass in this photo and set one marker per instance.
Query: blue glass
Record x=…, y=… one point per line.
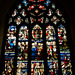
x=47, y=2
x=25, y=2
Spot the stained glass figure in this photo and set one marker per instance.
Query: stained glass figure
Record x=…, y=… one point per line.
x=22, y=53
x=10, y=50
x=64, y=50
x=52, y=55
x=37, y=67
x=37, y=62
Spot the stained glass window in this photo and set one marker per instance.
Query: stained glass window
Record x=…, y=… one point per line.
x=52, y=55
x=37, y=61
x=10, y=50
x=64, y=50
x=36, y=40
x=22, y=53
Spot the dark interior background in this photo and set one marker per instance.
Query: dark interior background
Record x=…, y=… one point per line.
x=69, y=8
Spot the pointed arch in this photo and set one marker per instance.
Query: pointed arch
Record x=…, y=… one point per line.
x=37, y=62
x=36, y=15
x=10, y=50
x=22, y=53
x=64, y=50
x=52, y=55
x=37, y=32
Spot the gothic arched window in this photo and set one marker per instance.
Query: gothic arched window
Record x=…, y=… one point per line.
x=36, y=40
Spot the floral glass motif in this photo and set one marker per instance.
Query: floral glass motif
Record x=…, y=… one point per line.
x=23, y=13
x=19, y=6
x=14, y=13
x=64, y=51
x=10, y=50
x=50, y=12
x=47, y=20
x=18, y=20
x=58, y=12
x=37, y=51
x=22, y=53
x=10, y=21
x=52, y=55
x=53, y=6
x=40, y=0
x=32, y=0
x=55, y=20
